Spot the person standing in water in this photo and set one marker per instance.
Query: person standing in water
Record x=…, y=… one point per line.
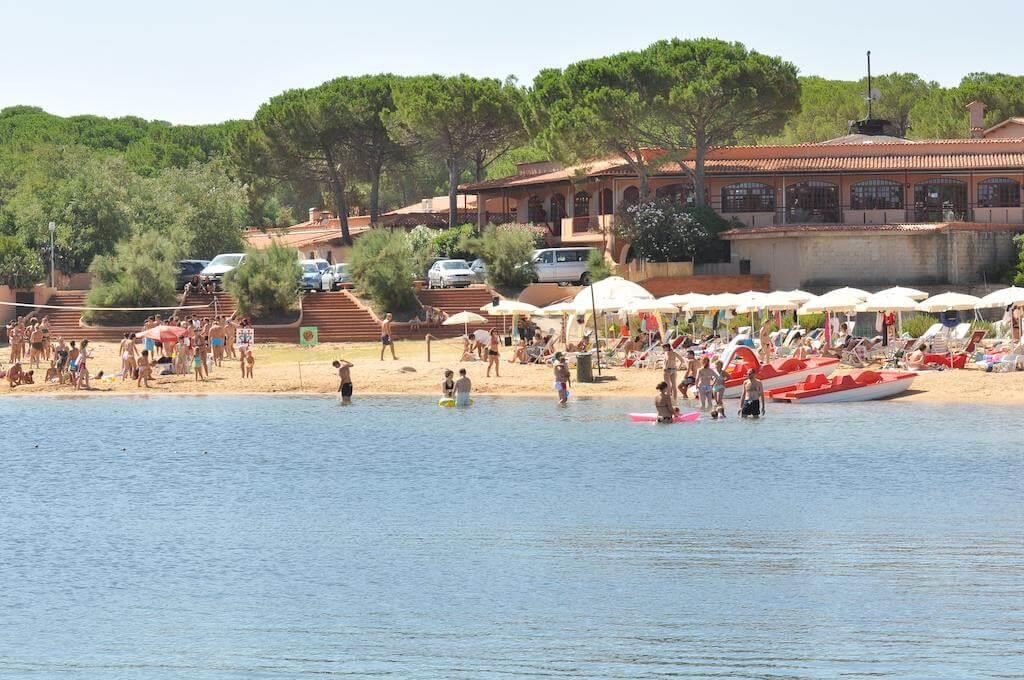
x=718, y=389
x=705, y=384
x=663, y=404
x=563, y=380
x=463, y=388
x=448, y=384
x=385, y=337
x=344, y=379
x=752, y=400
x=671, y=373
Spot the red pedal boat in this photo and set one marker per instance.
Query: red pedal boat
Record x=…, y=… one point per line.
x=855, y=386
x=778, y=373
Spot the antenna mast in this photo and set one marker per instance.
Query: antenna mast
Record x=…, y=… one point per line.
x=869, y=84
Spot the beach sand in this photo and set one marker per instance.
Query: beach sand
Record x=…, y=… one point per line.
x=284, y=369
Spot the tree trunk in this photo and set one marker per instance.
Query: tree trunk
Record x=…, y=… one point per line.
x=375, y=197
x=453, y=185
x=645, y=189
x=479, y=167
x=338, y=191
x=700, y=147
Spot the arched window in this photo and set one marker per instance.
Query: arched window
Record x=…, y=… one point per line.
x=581, y=204
x=535, y=210
x=606, y=202
x=556, y=212
x=681, y=193
x=998, y=192
x=940, y=200
x=631, y=196
x=876, y=194
x=812, y=201
x=747, y=197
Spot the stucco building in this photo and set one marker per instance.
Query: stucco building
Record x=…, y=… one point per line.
x=867, y=208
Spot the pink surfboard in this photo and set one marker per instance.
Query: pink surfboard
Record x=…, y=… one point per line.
x=653, y=417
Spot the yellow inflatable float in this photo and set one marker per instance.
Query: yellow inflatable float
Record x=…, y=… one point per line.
x=450, y=403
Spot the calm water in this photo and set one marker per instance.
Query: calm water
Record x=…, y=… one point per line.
x=242, y=537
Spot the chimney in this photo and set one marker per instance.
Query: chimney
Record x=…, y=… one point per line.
x=976, y=111
x=314, y=215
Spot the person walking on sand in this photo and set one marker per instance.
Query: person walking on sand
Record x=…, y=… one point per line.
x=385, y=337
x=82, y=367
x=493, y=354
x=463, y=388
x=145, y=369
x=563, y=380
x=765, y=339
x=344, y=379
x=752, y=400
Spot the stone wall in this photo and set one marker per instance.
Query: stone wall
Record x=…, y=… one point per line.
x=876, y=259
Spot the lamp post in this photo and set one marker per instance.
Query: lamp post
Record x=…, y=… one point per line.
x=53, y=278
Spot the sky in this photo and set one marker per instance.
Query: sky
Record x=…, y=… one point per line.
x=191, y=61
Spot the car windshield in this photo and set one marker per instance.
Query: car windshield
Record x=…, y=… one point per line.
x=226, y=260
x=310, y=268
x=342, y=269
x=455, y=264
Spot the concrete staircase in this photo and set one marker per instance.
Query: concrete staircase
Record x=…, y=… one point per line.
x=66, y=323
x=455, y=300
x=339, y=317
x=218, y=304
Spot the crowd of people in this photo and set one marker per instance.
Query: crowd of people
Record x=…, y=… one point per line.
x=190, y=345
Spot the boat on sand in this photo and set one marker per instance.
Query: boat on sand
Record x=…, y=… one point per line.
x=738, y=359
x=855, y=386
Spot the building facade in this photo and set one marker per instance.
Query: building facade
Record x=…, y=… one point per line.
x=862, y=208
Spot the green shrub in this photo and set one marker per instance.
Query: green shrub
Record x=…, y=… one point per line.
x=382, y=267
x=664, y=231
x=266, y=284
x=916, y=324
x=424, y=252
x=506, y=251
x=448, y=242
x=19, y=266
x=141, y=272
x=598, y=266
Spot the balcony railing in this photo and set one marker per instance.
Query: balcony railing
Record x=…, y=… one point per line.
x=811, y=215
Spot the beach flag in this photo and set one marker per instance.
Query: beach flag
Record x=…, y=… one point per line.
x=308, y=336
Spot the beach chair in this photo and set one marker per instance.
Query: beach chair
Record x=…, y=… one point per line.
x=972, y=343
x=960, y=333
x=855, y=355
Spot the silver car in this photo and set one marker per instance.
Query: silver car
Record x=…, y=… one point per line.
x=450, y=274
x=336, y=277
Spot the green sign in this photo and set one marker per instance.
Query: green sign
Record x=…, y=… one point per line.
x=308, y=336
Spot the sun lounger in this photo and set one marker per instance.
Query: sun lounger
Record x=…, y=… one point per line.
x=855, y=355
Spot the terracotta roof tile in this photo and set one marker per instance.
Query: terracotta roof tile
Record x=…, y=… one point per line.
x=783, y=229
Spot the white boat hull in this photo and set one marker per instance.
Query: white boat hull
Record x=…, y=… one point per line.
x=786, y=380
x=866, y=393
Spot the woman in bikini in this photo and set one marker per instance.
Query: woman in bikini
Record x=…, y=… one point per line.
x=493, y=355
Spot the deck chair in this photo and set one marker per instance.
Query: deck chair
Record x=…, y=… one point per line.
x=960, y=333
x=972, y=342
x=855, y=355
x=1014, y=361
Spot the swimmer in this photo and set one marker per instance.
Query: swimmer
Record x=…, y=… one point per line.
x=448, y=384
x=563, y=380
x=463, y=388
x=752, y=400
x=663, y=404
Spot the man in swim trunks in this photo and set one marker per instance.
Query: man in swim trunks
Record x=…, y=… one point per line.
x=562, y=378
x=752, y=400
x=216, y=334
x=690, y=375
x=463, y=388
x=385, y=337
x=671, y=373
x=344, y=379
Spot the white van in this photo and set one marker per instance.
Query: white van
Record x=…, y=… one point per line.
x=562, y=265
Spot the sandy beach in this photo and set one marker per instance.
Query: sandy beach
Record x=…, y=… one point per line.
x=284, y=369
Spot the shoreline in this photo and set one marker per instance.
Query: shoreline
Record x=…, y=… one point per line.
x=287, y=370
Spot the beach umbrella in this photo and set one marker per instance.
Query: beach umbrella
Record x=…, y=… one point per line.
x=839, y=300
x=679, y=300
x=887, y=303
x=721, y=301
x=560, y=309
x=509, y=308
x=797, y=296
x=773, y=302
x=900, y=291
x=464, y=318
x=948, y=302
x=853, y=292
x=162, y=334
x=1003, y=297
x=649, y=307
x=610, y=294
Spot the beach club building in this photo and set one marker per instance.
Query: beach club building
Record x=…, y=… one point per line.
x=868, y=208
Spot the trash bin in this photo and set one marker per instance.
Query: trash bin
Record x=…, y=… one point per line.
x=584, y=368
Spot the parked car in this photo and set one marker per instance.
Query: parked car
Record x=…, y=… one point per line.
x=311, y=274
x=189, y=268
x=336, y=277
x=479, y=270
x=562, y=265
x=221, y=265
x=450, y=274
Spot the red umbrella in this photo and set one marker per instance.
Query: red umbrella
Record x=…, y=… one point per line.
x=162, y=334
